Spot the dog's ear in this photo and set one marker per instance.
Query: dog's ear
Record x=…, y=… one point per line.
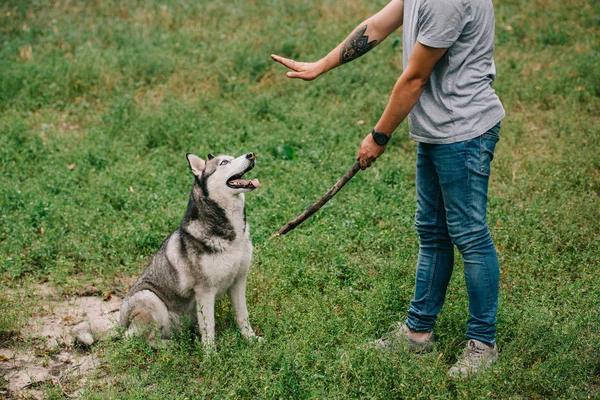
x=196, y=164
x=210, y=156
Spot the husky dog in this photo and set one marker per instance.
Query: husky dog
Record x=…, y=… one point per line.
x=208, y=255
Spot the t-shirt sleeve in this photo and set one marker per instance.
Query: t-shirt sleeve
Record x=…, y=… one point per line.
x=440, y=22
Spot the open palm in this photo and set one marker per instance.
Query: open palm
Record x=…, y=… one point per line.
x=301, y=70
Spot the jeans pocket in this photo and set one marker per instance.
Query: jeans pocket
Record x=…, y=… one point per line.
x=486, y=152
x=493, y=134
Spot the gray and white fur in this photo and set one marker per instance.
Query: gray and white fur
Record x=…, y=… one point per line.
x=209, y=254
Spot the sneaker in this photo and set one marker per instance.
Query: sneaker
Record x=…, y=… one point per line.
x=477, y=356
x=400, y=336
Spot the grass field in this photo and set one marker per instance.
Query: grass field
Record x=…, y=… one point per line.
x=100, y=101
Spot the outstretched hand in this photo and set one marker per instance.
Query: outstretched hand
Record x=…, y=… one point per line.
x=368, y=152
x=301, y=70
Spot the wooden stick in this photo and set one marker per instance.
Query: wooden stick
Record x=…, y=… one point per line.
x=319, y=203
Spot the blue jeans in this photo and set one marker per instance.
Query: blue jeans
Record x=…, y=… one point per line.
x=452, y=186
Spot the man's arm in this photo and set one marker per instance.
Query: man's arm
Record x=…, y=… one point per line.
x=363, y=38
x=404, y=96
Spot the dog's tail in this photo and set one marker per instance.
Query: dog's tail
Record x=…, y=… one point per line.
x=94, y=328
x=83, y=333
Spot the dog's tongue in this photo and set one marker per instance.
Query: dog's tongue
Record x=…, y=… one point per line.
x=254, y=183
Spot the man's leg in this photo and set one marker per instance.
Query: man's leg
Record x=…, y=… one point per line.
x=436, y=255
x=464, y=170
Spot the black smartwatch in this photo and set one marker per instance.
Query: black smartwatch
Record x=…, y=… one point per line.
x=380, y=138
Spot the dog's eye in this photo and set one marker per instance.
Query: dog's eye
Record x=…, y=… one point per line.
x=224, y=162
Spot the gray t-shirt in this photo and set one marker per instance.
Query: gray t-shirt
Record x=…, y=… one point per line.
x=458, y=103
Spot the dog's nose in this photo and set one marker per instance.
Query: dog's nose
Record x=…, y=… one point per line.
x=250, y=156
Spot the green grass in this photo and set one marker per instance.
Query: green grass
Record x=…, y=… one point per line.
x=100, y=101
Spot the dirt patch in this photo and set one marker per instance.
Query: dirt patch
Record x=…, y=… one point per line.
x=48, y=352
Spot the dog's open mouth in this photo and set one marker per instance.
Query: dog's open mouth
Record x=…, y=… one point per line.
x=236, y=181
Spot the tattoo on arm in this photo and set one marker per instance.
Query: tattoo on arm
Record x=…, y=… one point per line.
x=356, y=45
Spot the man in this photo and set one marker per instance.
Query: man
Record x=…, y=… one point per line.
x=454, y=115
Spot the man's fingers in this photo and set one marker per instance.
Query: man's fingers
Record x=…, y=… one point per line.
x=300, y=74
x=286, y=62
x=365, y=161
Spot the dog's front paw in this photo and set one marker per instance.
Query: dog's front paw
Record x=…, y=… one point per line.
x=254, y=339
x=209, y=347
x=209, y=350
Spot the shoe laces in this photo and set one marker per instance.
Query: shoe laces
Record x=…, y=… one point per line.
x=472, y=352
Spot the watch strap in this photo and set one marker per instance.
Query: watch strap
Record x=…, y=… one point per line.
x=380, y=138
